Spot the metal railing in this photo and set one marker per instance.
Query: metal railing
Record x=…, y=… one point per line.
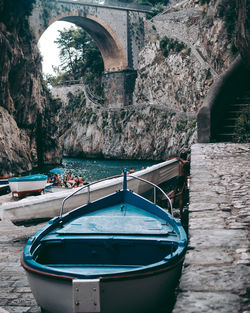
x=83, y=187
x=155, y=187
x=124, y=187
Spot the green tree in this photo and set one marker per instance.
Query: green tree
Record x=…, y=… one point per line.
x=80, y=58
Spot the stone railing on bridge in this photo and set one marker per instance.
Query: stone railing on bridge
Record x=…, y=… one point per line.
x=113, y=4
x=87, y=91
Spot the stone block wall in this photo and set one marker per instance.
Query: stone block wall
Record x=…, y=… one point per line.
x=119, y=87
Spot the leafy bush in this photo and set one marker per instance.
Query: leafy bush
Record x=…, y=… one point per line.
x=204, y=2
x=242, y=127
x=156, y=10
x=169, y=45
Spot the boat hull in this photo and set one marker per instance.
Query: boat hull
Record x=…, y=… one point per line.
x=121, y=253
x=139, y=293
x=47, y=206
x=21, y=186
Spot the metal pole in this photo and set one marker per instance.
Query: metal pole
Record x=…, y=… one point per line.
x=88, y=193
x=125, y=179
x=154, y=195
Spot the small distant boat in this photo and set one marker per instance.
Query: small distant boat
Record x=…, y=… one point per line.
x=4, y=188
x=121, y=253
x=4, y=180
x=25, y=185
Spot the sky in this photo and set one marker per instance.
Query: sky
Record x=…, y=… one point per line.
x=48, y=48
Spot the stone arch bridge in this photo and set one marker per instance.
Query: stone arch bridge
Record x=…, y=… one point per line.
x=117, y=29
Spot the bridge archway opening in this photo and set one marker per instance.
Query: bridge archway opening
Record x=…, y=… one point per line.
x=49, y=49
x=114, y=57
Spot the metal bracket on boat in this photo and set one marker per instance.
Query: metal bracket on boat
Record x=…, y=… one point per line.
x=155, y=187
x=86, y=295
x=80, y=189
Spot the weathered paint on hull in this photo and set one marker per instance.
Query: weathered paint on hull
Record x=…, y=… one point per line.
x=133, y=295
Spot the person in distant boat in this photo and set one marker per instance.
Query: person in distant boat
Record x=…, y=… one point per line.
x=131, y=171
x=56, y=181
x=70, y=180
x=81, y=180
x=65, y=182
x=77, y=181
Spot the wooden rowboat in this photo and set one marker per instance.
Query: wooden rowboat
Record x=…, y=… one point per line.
x=121, y=253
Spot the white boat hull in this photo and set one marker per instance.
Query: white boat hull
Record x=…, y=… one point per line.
x=24, y=187
x=124, y=295
x=48, y=205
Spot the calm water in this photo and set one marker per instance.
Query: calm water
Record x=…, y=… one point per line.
x=92, y=170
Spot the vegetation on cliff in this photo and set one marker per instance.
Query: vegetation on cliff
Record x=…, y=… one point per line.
x=242, y=127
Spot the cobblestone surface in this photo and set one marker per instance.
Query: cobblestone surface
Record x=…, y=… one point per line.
x=216, y=275
x=15, y=293
x=216, y=271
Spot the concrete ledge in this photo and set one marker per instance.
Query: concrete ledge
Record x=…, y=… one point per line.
x=216, y=269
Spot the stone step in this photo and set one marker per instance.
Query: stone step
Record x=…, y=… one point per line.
x=229, y=126
x=231, y=114
x=225, y=137
x=244, y=100
x=240, y=104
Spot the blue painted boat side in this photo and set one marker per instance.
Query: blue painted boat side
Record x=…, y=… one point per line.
x=29, y=178
x=4, y=182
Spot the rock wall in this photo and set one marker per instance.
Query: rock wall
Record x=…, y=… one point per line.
x=129, y=134
x=28, y=133
x=181, y=77
x=186, y=48
x=243, y=30
x=133, y=132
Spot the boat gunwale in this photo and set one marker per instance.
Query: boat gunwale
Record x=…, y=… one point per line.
x=138, y=274
x=28, y=178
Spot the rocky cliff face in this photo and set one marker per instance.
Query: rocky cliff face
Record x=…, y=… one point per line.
x=243, y=30
x=28, y=135
x=187, y=47
x=130, y=133
x=134, y=132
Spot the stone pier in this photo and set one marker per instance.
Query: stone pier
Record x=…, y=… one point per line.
x=216, y=274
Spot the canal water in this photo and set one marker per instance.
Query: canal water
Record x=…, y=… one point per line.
x=92, y=170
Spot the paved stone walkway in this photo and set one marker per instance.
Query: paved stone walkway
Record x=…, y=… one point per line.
x=216, y=275
x=15, y=293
